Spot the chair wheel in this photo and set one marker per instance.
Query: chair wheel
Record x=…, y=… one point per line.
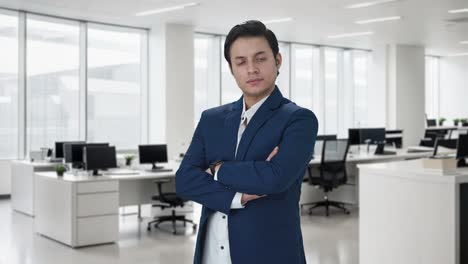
x=148, y=228
x=194, y=227
x=174, y=232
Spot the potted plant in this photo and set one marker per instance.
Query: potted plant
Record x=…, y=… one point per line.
x=128, y=159
x=456, y=121
x=441, y=121
x=60, y=169
x=464, y=121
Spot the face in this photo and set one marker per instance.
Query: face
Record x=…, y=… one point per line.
x=254, y=66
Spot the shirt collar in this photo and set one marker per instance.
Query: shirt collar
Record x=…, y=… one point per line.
x=252, y=110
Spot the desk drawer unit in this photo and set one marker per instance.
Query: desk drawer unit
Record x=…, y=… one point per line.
x=97, y=204
x=97, y=230
x=97, y=209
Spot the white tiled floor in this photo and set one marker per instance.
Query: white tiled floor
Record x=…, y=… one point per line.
x=329, y=240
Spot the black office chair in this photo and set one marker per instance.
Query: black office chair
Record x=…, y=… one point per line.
x=169, y=200
x=332, y=173
x=446, y=143
x=430, y=137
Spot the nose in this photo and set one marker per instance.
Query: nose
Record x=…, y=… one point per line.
x=252, y=68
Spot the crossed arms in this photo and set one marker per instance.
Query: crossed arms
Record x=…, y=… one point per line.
x=252, y=178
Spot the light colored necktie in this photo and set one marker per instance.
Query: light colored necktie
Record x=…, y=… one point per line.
x=241, y=131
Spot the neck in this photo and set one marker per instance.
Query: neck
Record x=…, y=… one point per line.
x=251, y=100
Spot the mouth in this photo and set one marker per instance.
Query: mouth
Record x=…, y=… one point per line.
x=254, y=81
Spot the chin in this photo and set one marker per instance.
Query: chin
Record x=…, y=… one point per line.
x=256, y=91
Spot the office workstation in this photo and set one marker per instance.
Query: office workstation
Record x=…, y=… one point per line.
x=100, y=110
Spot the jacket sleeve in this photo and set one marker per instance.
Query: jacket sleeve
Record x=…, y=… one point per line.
x=275, y=176
x=193, y=183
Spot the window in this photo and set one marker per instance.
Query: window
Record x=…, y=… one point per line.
x=114, y=96
x=52, y=97
x=207, y=74
x=332, y=82
x=302, y=75
x=229, y=90
x=332, y=58
x=9, y=85
x=283, y=79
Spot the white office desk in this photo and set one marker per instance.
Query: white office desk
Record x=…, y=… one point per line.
x=22, y=183
x=84, y=210
x=412, y=215
x=349, y=193
x=364, y=157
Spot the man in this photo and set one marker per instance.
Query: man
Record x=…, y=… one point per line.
x=246, y=161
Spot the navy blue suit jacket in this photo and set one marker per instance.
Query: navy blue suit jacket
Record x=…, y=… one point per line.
x=268, y=229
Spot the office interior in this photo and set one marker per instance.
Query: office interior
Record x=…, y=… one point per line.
x=113, y=89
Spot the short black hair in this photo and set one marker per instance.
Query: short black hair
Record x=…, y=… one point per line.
x=251, y=28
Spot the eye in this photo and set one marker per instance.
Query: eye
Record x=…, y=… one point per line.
x=261, y=59
x=240, y=63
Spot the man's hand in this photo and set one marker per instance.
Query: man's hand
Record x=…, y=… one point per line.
x=250, y=197
x=273, y=153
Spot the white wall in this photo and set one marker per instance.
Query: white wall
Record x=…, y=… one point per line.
x=157, y=85
x=180, y=87
x=377, y=87
x=5, y=177
x=171, y=95
x=406, y=91
x=453, y=88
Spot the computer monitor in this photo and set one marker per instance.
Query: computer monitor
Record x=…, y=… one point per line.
x=358, y=136
x=431, y=122
x=462, y=150
x=446, y=143
x=59, y=149
x=373, y=135
x=152, y=154
x=73, y=152
x=354, y=136
x=99, y=158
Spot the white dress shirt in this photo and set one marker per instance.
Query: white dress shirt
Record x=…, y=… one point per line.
x=216, y=249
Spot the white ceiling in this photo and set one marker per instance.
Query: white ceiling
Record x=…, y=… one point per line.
x=424, y=21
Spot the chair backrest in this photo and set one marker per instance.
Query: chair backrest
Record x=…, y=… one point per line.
x=319, y=142
x=446, y=143
x=333, y=164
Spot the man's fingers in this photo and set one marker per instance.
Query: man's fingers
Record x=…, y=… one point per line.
x=273, y=153
x=250, y=197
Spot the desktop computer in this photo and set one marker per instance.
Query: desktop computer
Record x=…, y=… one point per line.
x=98, y=158
x=374, y=136
x=152, y=154
x=73, y=152
x=59, y=148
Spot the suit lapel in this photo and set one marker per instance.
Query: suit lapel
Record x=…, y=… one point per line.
x=231, y=126
x=261, y=116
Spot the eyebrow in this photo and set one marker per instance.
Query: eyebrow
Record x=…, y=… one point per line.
x=256, y=54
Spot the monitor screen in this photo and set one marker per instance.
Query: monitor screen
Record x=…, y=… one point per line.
x=99, y=157
x=152, y=153
x=59, y=147
x=372, y=135
x=73, y=152
x=354, y=137
x=462, y=147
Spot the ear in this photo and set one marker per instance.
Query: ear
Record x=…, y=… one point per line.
x=279, y=60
